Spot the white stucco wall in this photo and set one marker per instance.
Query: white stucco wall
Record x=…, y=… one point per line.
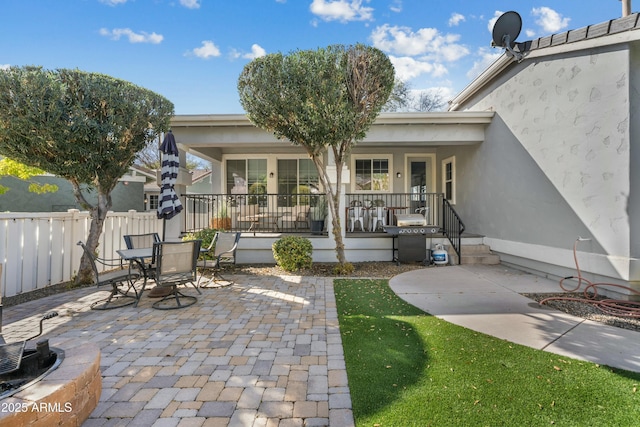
x=564, y=119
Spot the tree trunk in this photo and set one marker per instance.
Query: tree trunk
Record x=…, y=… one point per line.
x=98, y=214
x=337, y=227
x=333, y=198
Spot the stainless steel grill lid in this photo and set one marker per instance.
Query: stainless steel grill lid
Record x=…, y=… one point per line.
x=410, y=220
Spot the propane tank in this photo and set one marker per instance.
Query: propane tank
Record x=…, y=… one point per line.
x=439, y=255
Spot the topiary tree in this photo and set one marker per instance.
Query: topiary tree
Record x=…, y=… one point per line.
x=84, y=127
x=323, y=99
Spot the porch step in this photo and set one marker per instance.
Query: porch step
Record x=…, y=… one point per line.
x=476, y=254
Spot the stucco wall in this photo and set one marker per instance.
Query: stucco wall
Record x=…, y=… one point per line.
x=556, y=161
x=634, y=196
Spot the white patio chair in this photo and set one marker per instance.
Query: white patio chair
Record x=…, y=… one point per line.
x=356, y=214
x=377, y=216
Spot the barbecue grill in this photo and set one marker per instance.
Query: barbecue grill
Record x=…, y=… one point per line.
x=409, y=238
x=12, y=355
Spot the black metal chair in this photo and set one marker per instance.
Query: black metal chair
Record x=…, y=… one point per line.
x=137, y=241
x=116, y=276
x=145, y=266
x=176, y=264
x=224, y=245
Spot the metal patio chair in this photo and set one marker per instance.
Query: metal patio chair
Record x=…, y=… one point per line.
x=176, y=264
x=137, y=241
x=224, y=245
x=144, y=265
x=117, y=276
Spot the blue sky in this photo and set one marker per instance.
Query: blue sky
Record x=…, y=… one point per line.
x=192, y=51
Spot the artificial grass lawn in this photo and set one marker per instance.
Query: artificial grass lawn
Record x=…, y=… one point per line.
x=407, y=368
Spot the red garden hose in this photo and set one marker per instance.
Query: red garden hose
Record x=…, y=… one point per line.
x=614, y=307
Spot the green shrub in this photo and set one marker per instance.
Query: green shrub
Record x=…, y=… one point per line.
x=206, y=235
x=293, y=253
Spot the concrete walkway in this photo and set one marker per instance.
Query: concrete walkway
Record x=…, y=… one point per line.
x=264, y=352
x=487, y=299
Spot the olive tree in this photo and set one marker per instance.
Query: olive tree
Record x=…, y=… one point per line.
x=323, y=100
x=84, y=127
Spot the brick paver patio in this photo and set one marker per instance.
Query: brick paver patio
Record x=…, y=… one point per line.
x=264, y=352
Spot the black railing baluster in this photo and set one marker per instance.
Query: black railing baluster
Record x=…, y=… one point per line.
x=292, y=213
x=453, y=227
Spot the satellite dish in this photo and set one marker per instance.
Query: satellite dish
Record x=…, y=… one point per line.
x=505, y=32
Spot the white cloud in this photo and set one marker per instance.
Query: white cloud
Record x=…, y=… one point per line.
x=549, y=20
x=141, y=37
x=396, y=6
x=493, y=20
x=426, y=41
x=5, y=66
x=256, y=52
x=113, y=2
x=456, y=19
x=341, y=10
x=487, y=57
x=190, y=4
x=206, y=51
x=408, y=68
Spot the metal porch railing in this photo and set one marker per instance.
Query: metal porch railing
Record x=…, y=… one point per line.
x=258, y=213
x=453, y=227
x=294, y=213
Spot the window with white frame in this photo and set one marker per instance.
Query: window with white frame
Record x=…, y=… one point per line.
x=153, y=202
x=372, y=174
x=296, y=177
x=248, y=177
x=449, y=179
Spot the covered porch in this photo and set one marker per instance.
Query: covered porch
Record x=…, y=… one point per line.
x=266, y=187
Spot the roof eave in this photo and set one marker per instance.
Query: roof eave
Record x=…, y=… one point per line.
x=618, y=31
x=495, y=69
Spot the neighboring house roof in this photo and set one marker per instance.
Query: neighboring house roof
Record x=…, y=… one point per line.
x=151, y=185
x=200, y=174
x=614, y=31
x=144, y=171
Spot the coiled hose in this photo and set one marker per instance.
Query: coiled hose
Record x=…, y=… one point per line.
x=614, y=307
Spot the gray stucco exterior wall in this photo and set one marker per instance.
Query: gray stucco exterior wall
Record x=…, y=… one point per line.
x=634, y=158
x=557, y=160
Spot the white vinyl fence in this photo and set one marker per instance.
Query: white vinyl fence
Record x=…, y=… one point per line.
x=40, y=249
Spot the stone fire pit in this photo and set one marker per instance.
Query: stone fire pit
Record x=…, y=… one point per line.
x=65, y=397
